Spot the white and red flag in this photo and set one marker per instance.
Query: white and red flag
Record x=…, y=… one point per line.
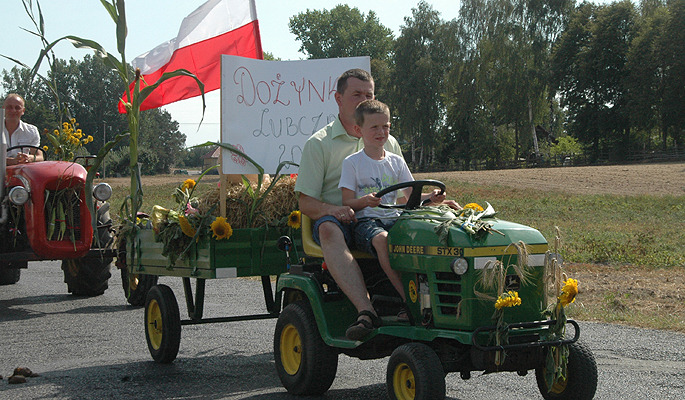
x=215, y=28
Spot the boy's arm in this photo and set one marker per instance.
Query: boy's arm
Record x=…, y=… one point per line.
x=368, y=200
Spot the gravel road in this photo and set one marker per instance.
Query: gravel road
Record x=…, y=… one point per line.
x=94, y=348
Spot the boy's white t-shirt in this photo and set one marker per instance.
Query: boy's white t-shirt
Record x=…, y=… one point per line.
x=364, y=175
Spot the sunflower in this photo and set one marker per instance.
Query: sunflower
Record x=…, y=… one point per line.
x=186, y=227
x=221, y=229
x=569, y=292
x=188, y=184
x=508, y=299
x=295, y=219
x=474, y=206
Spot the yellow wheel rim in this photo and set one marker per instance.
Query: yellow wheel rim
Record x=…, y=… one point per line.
x=403, y=382
x=154, y=324
x=291, y=350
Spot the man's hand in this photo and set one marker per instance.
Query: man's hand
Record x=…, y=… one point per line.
x=344, y=214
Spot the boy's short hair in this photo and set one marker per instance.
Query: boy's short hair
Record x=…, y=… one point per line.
x=358, y=73
x=368, y=107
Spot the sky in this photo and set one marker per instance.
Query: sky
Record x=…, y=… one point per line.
x=152, y=22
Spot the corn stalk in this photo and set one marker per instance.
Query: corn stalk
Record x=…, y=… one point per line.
x=117, y=11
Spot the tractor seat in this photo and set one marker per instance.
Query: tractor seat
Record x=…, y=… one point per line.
x=314, y=250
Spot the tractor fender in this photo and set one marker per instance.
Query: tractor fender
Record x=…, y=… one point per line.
x=332, y=316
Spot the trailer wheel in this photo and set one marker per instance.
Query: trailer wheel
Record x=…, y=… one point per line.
x=10, y=276
x=162, y=324
x=581, y=376
x=415, y=373
x=305, y=364
x=136, y=286
x=90, y=276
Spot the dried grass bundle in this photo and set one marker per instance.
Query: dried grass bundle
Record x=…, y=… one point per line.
x=275, y=206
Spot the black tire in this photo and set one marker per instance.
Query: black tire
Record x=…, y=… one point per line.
x=305, y=364
x=9, y=276
x=162, y=324
x=415, y=373
x=136, y=286
x=581, y=376
x=90, y=276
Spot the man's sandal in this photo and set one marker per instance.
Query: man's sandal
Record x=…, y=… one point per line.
x=403, y=314
x=361, y=327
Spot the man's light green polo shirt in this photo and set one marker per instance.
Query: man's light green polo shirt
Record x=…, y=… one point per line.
x=321, y=162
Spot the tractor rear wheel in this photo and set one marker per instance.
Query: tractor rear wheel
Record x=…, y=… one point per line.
x=89, y=276
x=305, y=364
x=10, y=276
x=415, y=373
x=581, y=376
x=162, y=324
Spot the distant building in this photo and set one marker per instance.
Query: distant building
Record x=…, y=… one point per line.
x=211, y=158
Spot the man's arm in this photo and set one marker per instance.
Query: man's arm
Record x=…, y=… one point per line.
x=316, y=209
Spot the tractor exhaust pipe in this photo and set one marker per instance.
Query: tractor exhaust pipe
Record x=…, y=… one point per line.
x=3, y=171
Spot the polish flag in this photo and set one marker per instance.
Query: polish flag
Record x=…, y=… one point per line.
x=215, y=28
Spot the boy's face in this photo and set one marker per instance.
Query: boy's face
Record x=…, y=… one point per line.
x=375, y=130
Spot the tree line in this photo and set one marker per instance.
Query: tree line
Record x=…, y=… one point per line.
x=512, y=79
x=90, y=91
x=506, y=80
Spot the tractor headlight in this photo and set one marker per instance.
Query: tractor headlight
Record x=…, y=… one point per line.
x=102, y=191
x=19, y=195
x=459, y=266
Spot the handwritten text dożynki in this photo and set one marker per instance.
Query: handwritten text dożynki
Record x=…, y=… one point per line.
x=281, y=92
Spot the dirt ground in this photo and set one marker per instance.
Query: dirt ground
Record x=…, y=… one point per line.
x=635, y=179
x=608, y=290
x=603, y=290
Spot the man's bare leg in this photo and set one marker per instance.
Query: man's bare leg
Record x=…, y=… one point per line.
x=343, y=267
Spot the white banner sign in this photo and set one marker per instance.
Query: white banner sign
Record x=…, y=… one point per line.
x=270, y=108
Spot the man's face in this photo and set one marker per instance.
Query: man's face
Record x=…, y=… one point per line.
x=375, y=130
x=14, y=108
x=356, y=92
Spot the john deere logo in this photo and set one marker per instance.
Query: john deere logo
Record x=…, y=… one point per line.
x=412, y=292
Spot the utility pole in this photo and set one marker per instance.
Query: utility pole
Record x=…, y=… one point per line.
x=104, y=140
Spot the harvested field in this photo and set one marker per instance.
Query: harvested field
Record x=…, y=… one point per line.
x=635, y=179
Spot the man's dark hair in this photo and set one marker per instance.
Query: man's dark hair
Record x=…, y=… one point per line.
x=352, y=73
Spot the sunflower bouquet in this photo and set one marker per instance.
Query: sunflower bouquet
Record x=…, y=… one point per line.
x=67, y=140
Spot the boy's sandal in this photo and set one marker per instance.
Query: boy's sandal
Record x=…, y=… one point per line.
x=361, y=327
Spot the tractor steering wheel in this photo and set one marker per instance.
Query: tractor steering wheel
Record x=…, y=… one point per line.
x=26, y=146
x=414, y=200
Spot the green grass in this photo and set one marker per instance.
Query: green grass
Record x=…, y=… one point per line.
x=647, y=231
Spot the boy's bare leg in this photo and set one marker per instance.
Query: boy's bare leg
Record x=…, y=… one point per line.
x=380, y=243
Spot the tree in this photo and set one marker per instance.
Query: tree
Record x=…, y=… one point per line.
x=160, y=135
x=420, y=66
x=346, y=32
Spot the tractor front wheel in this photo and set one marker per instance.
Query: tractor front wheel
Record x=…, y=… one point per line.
x=89, y=276
x=305, y=364
x=581, y=376
x=162, y=324
x=10, y=276
x=415, y=373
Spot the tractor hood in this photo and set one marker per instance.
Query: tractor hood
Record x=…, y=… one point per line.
x=440, y=234
x=48, y=182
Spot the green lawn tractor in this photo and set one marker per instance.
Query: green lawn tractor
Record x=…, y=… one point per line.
x=454, y=270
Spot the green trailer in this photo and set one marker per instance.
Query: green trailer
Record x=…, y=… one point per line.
x=453, y=323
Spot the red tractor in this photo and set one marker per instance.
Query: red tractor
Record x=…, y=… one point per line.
x=44, y=216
